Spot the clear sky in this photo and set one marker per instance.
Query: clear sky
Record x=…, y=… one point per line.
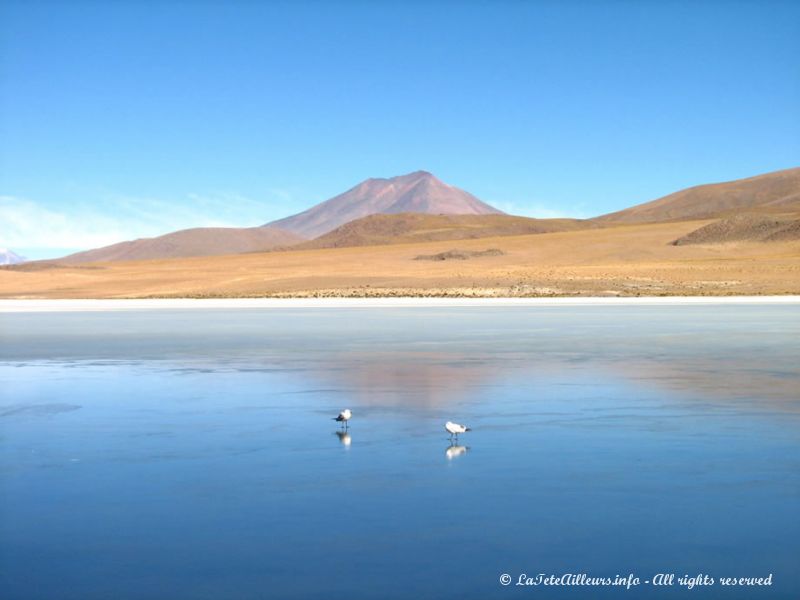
x=129, y=119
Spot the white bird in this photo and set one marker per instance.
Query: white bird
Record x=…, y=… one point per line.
x=454, y=428
x=344, y=416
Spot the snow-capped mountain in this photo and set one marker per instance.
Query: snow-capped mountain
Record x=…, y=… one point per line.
x=8, y=257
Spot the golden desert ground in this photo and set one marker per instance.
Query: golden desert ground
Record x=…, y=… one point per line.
x=625, y=260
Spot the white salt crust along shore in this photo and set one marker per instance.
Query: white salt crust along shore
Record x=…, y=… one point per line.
x=86, y=305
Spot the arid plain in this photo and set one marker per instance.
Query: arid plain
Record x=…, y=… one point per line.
x=626, y=260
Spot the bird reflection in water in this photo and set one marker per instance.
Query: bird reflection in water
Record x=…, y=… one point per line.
x=454, y=451
x=344, y=438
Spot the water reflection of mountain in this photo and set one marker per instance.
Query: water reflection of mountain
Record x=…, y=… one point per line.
x=436, y=380
x=420, y=380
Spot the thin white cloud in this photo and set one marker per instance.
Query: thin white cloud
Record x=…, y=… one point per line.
x=30, y=224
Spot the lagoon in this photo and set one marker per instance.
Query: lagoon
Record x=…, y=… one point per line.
x=190, y=453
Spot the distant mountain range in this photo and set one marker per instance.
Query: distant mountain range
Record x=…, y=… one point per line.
x=8, y=257
x=418, y=192
x=420, y=207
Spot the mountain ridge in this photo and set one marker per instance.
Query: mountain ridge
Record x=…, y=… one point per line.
x=776, y=192
x=403, y=228
x=184, y=243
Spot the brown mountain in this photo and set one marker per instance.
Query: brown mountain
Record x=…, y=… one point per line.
x=772, y=193
x=406, y=228
x=744, y=228
x=201, y=241
x=418, y=192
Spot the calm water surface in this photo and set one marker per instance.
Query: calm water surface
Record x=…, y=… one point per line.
x=191, y=454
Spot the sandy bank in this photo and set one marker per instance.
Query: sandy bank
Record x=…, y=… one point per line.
x=11, y=306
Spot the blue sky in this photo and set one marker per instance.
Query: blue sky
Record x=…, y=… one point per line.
x=129, y=119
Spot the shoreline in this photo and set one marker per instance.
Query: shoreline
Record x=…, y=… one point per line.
x=89, y=305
